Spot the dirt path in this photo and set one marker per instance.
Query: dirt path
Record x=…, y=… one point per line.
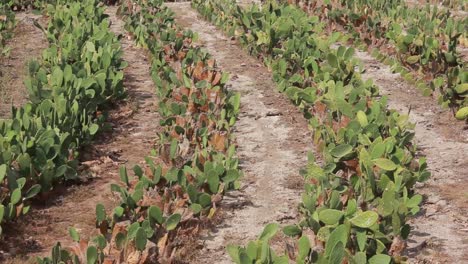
x=134, y=127
x=27, y=43
x=456, y=12
x=273, y=141
x=441, y=230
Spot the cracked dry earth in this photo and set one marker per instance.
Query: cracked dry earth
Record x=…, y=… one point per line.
x=440, y=231
x=273, y=140
x=135, y=124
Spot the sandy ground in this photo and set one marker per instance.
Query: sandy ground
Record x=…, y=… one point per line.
x=273, y=141
x=27, y=44
x=456, y=11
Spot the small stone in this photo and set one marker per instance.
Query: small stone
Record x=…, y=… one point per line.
x=431, y=211
x=442, y=203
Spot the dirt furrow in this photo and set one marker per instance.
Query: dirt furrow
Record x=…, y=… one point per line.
x=272, y=138
x=134, y=127
x=27, y=43
x=440, y=231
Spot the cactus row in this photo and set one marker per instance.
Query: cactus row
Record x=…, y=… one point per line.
x=78, y=74
x=194, y=161
x=422, y=44
x=7, y=23
x=356, y=204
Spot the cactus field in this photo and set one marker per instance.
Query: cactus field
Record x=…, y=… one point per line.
x=223, y=131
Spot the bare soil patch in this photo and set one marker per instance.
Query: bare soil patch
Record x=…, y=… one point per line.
x=440, y=231
x=27, y=44
x=458, y=12
x=272, y=138
x=134, y=125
